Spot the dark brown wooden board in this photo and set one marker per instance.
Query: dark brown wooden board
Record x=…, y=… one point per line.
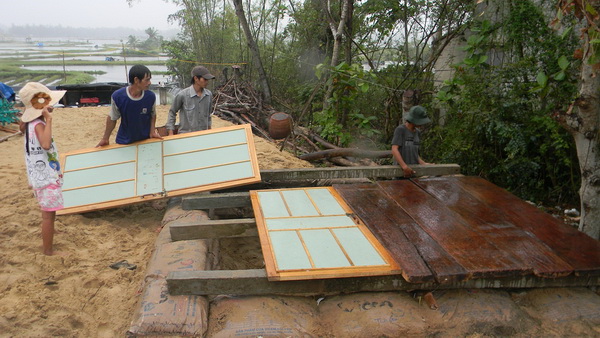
x=412, y=248
x=492, y=223
x=574, y=247
x=473, y=251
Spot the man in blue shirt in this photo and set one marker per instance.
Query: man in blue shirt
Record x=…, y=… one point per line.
x=135, y=106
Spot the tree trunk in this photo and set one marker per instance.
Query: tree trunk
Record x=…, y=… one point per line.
x=348, y=58
x=262, y=76
x=585, y=127
x=589, y=159
x=194, y=30
x=582, y=120
x=337, y=33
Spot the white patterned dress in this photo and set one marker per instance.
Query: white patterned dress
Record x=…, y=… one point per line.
x=43, y=170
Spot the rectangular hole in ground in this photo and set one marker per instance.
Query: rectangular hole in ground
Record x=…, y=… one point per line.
x=240, y=253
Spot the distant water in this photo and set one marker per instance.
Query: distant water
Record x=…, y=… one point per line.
x=114, y=73
x=82, y=49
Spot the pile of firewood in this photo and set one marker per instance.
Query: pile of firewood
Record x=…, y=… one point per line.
x=237, y=101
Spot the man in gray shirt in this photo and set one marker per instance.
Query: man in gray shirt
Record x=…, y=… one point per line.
x=194, y=104
x=407, y=139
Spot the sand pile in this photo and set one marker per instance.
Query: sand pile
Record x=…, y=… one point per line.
x=77, y=294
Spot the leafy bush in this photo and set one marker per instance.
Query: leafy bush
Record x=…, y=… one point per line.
x=498, y=118
x=342, y=113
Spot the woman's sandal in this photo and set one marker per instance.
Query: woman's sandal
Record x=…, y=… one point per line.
x=123, y=264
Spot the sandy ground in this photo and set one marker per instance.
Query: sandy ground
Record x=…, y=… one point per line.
x=77, y=294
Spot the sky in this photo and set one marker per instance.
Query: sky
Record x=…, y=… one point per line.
x=88, y=13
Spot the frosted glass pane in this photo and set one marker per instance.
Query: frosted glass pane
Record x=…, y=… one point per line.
x=272, y=204
x=208, y=176
x=100, y=157
x=204, y=141
x=325, y=201
x=206, y=158
x=102, y=193
x=360, y=250
x=99, y=175
x=323, y=249
x=288, y=250
x=299, y=203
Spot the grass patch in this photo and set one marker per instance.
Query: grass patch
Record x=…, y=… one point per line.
x=17, y=76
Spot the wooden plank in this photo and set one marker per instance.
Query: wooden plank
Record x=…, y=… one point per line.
x=303, y=237
x=300, y=223
x=239, y=282
x=418, y=255
x=491, y=222
x=216, y=201
x=255, y=282
x=186, y=230
x=385, y=171
x=576, y=248
x=263, y=234
x=310, y=176
x=176, y=165
x=471, y=250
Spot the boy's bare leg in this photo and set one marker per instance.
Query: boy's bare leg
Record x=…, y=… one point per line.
x=48, y=218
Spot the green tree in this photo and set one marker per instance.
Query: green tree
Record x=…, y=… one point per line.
x=500, y=122
x=250, y=40
x=347, y=83
x=209, y=36
x=207, y=25
x=132, y=41
x=582, y=117
x=154, y=40
x=180, y=51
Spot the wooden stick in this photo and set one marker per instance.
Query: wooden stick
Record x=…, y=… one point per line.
x=9, y=136
x=8, y=130
x=353, y=152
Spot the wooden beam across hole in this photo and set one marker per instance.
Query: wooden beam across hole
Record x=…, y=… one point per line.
x=255, y=282
x=207, y=229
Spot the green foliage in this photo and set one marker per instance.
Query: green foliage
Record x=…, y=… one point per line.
x=180, y=51
x=349, y=83
x=329, y=128
x=384, y=14
x=365, y=124
x=18, y=75
x=498, y=121
x=151, y=44
x=595, y=46
x=309, y=28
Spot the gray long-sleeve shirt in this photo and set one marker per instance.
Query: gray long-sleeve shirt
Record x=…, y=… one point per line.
x=194, y=111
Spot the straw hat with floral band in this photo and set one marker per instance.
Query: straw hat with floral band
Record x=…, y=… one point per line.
x=35, y=96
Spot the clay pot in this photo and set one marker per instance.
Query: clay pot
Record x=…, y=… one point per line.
x=280, y=125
